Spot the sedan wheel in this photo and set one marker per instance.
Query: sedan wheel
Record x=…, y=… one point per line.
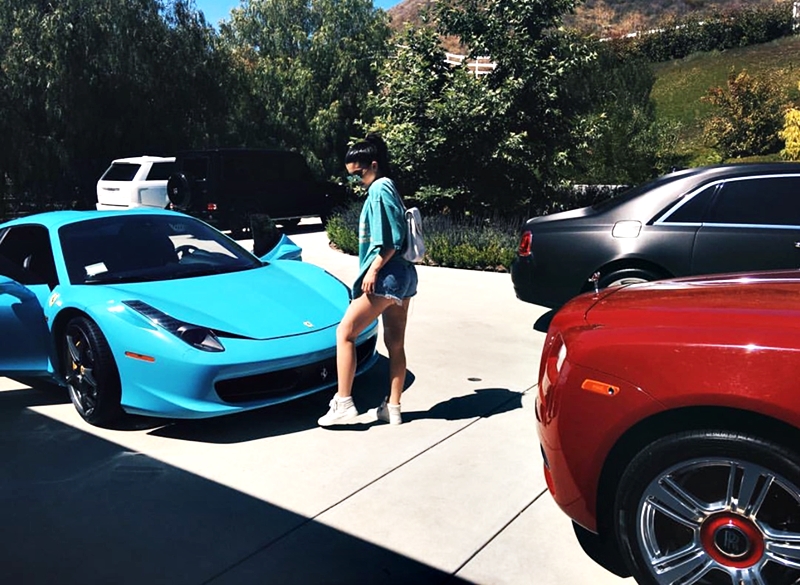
x=711, y=508
x=90, y=372
x=627, y=276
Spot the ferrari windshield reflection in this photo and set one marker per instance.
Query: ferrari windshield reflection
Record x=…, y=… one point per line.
x=146, y=248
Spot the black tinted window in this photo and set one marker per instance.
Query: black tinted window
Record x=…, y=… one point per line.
x=160, y=171
x=121, y=172
x=27, y=249
x=758, y=201
x=264, y=167
x=196, y=168
x=693, y=210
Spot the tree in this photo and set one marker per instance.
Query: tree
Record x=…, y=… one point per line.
x=307, y=66
x=629, y=145
x=434, y=119
x=494, y=142
x=85, y=81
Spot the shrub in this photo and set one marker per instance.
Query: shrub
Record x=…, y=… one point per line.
x=342, y=228
x=748, y=115
x=681, y=37
x=791, y=135
x=471, y=242
x=478, y=243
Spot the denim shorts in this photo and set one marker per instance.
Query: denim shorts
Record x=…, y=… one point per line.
x=397, y=280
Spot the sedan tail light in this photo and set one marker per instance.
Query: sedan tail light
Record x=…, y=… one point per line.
x=525, y=243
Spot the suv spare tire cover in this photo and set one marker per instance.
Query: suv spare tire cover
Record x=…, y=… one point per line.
x=179, y=191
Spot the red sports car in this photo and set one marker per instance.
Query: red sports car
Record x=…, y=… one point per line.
x=669, y=419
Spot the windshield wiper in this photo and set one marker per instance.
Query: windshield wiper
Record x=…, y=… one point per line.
x=119, y=278
x=207, y=271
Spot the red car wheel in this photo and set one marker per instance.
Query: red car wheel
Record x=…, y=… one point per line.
x=711, y=508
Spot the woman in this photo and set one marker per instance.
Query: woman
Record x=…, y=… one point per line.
x=385, y=284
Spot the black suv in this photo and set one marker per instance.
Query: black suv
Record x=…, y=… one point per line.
x=225, y=187
x=705, y=220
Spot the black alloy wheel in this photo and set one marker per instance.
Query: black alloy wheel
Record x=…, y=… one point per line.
x=91, y=373
x=711, y=508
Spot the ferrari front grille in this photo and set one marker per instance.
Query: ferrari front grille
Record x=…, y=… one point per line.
x=286, y=382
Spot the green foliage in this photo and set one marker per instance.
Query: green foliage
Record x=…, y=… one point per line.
x=307, y=67
x=342, y=228
x=680, y=37
x=681, y=84
x=467, y=241
x=477, y=243
x=747, y=115
x=85, y=81
x=628, y=145
x=433, y=117
x=790, y=134
x=483, y=143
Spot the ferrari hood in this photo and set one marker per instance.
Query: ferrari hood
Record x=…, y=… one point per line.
x=727, y=300
x=278, y=300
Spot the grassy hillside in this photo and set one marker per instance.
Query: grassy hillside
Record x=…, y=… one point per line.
x=681, y=83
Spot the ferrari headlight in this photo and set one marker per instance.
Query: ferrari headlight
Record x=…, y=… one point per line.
x=198, y=337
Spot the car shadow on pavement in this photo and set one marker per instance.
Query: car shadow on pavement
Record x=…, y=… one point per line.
x=543, y=322
x=280, y=419
x=38, y=395
x=77, y=508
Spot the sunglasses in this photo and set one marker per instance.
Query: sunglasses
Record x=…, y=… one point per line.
x=359, y=172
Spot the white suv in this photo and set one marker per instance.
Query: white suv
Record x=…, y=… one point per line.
x=139, y=181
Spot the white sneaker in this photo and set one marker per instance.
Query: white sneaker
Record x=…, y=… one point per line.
x=342, y=409
x=389, y=413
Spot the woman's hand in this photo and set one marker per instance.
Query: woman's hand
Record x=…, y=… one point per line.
x=368, y=284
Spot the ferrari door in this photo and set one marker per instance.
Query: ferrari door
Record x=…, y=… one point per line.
x=27, y=275
x=24, y=336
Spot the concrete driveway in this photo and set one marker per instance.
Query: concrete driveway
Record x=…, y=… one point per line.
x=455, y=494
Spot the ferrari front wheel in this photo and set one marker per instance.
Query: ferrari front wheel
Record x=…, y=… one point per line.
x=711, y=508
x=91, y=373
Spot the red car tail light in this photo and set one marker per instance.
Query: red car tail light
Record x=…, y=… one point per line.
x=211, y=207
x=525, y=243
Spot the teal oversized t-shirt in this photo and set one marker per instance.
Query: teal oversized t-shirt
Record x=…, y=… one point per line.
x=382, y=225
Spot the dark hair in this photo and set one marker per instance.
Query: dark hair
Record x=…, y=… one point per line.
x=372, y=148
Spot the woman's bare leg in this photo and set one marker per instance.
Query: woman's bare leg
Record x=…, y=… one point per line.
x=360, y=313
x=394, y=336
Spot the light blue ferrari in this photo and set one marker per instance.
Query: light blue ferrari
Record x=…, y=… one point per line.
x=156, y=313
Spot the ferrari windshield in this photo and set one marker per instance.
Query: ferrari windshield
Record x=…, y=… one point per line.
x=148, y=247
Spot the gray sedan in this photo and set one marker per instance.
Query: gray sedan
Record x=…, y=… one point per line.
x=715, y=219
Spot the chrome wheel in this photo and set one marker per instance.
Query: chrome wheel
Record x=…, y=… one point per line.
x=729, y=515
x=721, y=521
x=625, y=281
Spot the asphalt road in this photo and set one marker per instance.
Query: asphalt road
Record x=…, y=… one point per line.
x=455, y=494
